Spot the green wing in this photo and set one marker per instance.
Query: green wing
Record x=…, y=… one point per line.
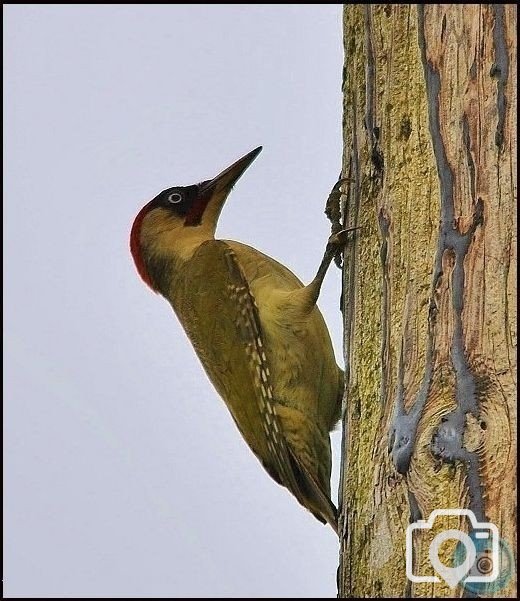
x=220, y=316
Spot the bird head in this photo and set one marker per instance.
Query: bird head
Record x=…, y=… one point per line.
x=180, y=218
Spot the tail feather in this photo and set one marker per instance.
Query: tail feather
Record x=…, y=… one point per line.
x=312, y=496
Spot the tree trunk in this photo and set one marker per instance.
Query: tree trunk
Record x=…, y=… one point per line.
x=429, y=291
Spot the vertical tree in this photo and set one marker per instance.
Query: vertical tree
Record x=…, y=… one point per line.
x=429, y=286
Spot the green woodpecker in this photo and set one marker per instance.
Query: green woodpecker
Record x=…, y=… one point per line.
x=256, y=329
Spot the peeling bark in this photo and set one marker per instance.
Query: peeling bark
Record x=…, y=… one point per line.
x=429, y=417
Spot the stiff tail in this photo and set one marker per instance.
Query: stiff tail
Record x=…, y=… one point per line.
x=311, y=495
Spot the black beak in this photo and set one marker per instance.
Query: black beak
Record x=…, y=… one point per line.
x=229, y=177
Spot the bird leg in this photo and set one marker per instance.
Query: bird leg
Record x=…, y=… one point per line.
x=335, y=243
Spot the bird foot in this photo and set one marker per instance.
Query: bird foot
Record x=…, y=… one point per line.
x=340, y=239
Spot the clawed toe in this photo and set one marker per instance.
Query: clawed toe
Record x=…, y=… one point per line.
x=341, y=238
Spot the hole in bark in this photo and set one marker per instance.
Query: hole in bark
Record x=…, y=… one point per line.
x=443, y=27
x=483, y=425
x=495, y=70
x=405, y=128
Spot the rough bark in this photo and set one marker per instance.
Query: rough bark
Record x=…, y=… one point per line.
x=429, y=285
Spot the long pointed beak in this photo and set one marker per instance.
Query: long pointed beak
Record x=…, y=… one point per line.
x=229, y=177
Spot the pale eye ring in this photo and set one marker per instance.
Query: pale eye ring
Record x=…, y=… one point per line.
x=174, y=198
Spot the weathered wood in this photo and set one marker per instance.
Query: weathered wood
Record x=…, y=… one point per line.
x=430, y=284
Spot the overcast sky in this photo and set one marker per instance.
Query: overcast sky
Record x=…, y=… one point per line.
x=124, y=472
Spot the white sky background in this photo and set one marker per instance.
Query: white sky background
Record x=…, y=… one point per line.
x=124, y=472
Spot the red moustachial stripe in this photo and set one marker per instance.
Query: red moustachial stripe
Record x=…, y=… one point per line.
x=194, y=216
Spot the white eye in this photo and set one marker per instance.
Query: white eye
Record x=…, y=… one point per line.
x=174, y=198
